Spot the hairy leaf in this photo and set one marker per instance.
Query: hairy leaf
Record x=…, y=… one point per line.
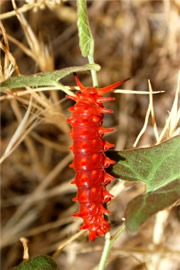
x=144, y=206
x=44, y=79
x=155, y=166
x=38, y=263
x=86, y=41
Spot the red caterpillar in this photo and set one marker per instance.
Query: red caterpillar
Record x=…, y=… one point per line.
x=89, y=158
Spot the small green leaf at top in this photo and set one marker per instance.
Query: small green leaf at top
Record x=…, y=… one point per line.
x=155, y=166
x=38, y=263
x=44, y=79
x=86, y=40
x=144, y=206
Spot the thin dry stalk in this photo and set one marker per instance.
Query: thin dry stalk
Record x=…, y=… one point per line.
x=28, y=202
x=24, y=242
x=171, y=127
x=66, y=243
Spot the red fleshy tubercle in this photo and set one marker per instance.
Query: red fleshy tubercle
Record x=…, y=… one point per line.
x=90, y=160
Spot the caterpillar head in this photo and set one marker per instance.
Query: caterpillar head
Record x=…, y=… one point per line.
x=97, y=91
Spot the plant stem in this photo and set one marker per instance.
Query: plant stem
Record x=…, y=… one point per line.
x=93, y=72
x=86, y=40
x=118, y=233
x=107, y=247
x=63, y=88
x=106, y=251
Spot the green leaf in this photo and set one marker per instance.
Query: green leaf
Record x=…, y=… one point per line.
x=155, y=166
x=38, y=263
x=159, y=168
x=86, y=41
x=144, y=206
x=44, y=79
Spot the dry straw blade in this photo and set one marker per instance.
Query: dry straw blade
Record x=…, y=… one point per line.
x=171, y=127
x=18, y=135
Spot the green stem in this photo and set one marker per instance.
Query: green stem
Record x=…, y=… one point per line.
x=107, y=247
x=106, y=251
x=118, y=233
x=93, y=72
x=86, y=40
x=63, y=88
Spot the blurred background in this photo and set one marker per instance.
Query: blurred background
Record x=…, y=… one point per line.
x=139, y=39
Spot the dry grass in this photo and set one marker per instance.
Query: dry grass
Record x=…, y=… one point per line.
x=138, y=39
